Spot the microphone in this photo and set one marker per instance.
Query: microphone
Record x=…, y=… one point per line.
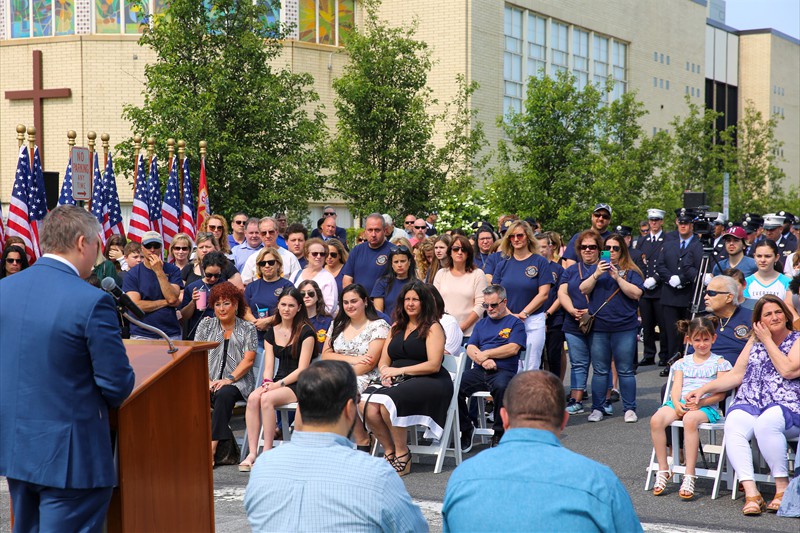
x=110, y=286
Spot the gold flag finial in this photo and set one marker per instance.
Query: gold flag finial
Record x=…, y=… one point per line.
x=20, y=134
x=71, y=136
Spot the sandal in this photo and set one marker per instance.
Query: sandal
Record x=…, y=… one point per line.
x=662, y=476
x=246, y=465
x=754, y=505
x=687, y=487
x=402, y=467
x=367, y=447
x=775, y=504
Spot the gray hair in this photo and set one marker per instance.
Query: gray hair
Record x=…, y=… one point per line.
x=731, y=286
x=377, y=216
x=387, y=219
x=499, y=290
x=64, y=225
x=250, y=221
x=268, y=219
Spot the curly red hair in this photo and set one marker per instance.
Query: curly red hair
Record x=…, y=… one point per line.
x=225, y=290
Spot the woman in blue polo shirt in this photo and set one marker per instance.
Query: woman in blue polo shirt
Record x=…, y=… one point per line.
x=614, y=287
x=402, y=270
x=526, y=277
x=263, y=292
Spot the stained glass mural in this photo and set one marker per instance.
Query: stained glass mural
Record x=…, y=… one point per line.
x=20, y=19
x=42, y=18
x=346, y=18
x=327, y=21
x=136, y=12
x=65, y=17
x=160, y=6
x=307, y=26
x=107, y=16
x=273, y=14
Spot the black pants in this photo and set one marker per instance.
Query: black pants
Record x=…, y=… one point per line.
x=223, y=401
x=671, y=316
x=553, y=347
x=479, y=379
x=650, y=309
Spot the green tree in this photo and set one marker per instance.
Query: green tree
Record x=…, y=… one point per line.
x=382, y=157
x=213, y=79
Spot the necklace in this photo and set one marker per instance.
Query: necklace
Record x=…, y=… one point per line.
x=722, y=325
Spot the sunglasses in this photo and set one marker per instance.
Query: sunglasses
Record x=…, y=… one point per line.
x=590, y=247
x=270, y=232
x=715, y=293
x=420, y=227
x=328, y=214
x=11, y=260
x=333, y=254
x=457, y=249
x=310, y=294
x=214, y=228
x=601, y=215
x=361, y=239
x=209, y=275
x=517, y=236
x=270, y=262
x=492, y=306
x=403, y=248
x=239, y=222
x=613, y=248
x=181, y=248
x=408, y=222
x=317, y=254
x=153, y=246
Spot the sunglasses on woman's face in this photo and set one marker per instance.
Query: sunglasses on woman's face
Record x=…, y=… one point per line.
x=334, y=254
x=613, y=248
x=270, y=262
x=457, y=249
x=589, y=247
x=211, y=275
x=214, y=228
x=309, y=294
x=181, y=248
x=361, y=239
x=12, y=261
x=517, y=236
x=317, y=254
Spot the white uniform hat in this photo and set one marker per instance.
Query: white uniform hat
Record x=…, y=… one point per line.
x=655, y=214
x=773, y=221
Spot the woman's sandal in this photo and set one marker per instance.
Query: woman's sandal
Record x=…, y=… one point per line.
x=246, y=466
x=754, y=505
x=402, y=467
x=775, y=504
x=662, y=477
x=367, y=447
x=687, y=487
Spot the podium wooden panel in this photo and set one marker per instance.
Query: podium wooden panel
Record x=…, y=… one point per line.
x=165, y=480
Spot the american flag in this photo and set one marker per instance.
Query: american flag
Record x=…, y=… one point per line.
x=37, y=198
x=171, y=206
x=203, y=205
x=154, y=193
x=140, y=215
x=2, y=231
x=188, y=213
x=112, y=224
x=19, y=213
x=99, y=209
x=66, y=188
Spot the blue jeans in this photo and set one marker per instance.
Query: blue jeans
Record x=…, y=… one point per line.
x=621, y=345
x=579, y=347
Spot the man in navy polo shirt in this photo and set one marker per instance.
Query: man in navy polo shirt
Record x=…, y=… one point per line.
x=494, y=348
x=601, y=219
x=368, y=261
x=155, y=287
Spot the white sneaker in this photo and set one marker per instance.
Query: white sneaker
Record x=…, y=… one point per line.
x=597, y=416
x=630, y=416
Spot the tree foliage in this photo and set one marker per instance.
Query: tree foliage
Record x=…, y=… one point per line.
x=382, y=156
x=213, y=79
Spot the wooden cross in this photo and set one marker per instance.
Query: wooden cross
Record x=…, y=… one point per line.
x=38, y=94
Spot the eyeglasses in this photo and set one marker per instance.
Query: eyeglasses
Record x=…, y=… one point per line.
x=181, y=248
x=214, y=228
x=420, y=227
x=12, y=261
x=239, y=222
x=333, y=254
x=270, y=262
x=310, y=294
x=270, y=232
x=403, y=248
x=715, y=293
x=613, y=248
x=329, y=214
x=492, y=306
x=153, y=246
x=517, y=236
x=317, y=254
x=601, y=215
x=589, y=247
x=211, y=275
x=408, y=222
x=361, y=239
x=457, y=249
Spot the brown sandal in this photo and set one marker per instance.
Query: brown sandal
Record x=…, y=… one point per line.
x=754, y=505
x=775, y=504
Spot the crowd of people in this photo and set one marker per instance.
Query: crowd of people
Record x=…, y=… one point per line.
x=389, y=306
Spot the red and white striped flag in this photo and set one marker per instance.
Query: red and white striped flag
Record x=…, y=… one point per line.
x=170, y=222
x=2, y=231
x=140, y=215
x=203, y=205
x=20, y=214
x=187, y=211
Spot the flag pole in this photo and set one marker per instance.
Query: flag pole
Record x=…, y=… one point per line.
x=104, y=138
x=31, y=142
x=20, y=135
x=181, y=157
x=151, y=149
x=92, y=136
x=137, y=148
x=71, y=136
x=170, y=151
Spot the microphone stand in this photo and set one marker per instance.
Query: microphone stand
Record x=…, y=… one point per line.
x=134, y=320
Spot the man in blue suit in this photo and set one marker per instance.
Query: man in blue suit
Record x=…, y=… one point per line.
x=62, y=366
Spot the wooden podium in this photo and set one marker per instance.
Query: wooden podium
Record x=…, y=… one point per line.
x=165, y=479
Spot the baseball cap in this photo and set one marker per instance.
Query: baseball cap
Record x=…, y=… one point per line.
x=150, y=237
x=600, y=207
x=737, y=232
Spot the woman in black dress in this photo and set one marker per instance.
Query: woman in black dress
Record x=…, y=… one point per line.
x=291, y=340
x=414, y=389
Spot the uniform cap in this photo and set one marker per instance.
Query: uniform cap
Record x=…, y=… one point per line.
x=655, y=214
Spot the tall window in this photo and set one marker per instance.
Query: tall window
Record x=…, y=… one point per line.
x=600, y=52
x=559, y=42
x=618, y=72
x=580, y=57
x=326, y=21
x=41, y=18
x=512, y=60
x=537, y=45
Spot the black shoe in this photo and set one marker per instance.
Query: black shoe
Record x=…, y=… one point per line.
x=647, y=361
x=664, y=372
x=662, y=362
x=466, y=438
x=496, y=439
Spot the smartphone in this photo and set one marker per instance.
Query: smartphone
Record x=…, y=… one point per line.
x=605, y=255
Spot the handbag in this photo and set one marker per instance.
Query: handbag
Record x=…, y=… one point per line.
x=586, y=322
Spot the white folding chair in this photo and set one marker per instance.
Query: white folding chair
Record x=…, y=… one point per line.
x=258, y=370
x=761, y=469
x=718, y=473
x=483, y=430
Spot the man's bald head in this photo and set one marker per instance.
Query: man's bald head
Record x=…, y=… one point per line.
x=535, y=399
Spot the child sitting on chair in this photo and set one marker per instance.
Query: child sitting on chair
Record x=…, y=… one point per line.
x=688, y=374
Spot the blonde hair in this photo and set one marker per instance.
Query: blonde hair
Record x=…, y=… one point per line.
x=260, y=257
x=505, y=244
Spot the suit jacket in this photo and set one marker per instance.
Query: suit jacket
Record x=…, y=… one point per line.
x=645, y=256
x=684, y=264
x=787, y=244
x=62, y=365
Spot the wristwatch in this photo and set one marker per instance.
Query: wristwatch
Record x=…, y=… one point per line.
x=524, y=313
x=230, y=377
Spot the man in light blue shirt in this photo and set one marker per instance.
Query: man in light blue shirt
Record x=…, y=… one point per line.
x=318, y=481
x=252, y=243
x=530, y=482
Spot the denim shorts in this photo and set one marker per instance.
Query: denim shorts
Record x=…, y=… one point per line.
x=712, y=413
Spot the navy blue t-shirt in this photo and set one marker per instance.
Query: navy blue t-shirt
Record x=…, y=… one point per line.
x=489, y=333
x=390, y=298
x=191, y=325
x=320, y=325
x=557, y=318
x=144, y=281
x=620, y=313
x=522, y=279
x=573, y=277
x=262, y=298
x=569, y=251
x=732, y=335
x=365, y=265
